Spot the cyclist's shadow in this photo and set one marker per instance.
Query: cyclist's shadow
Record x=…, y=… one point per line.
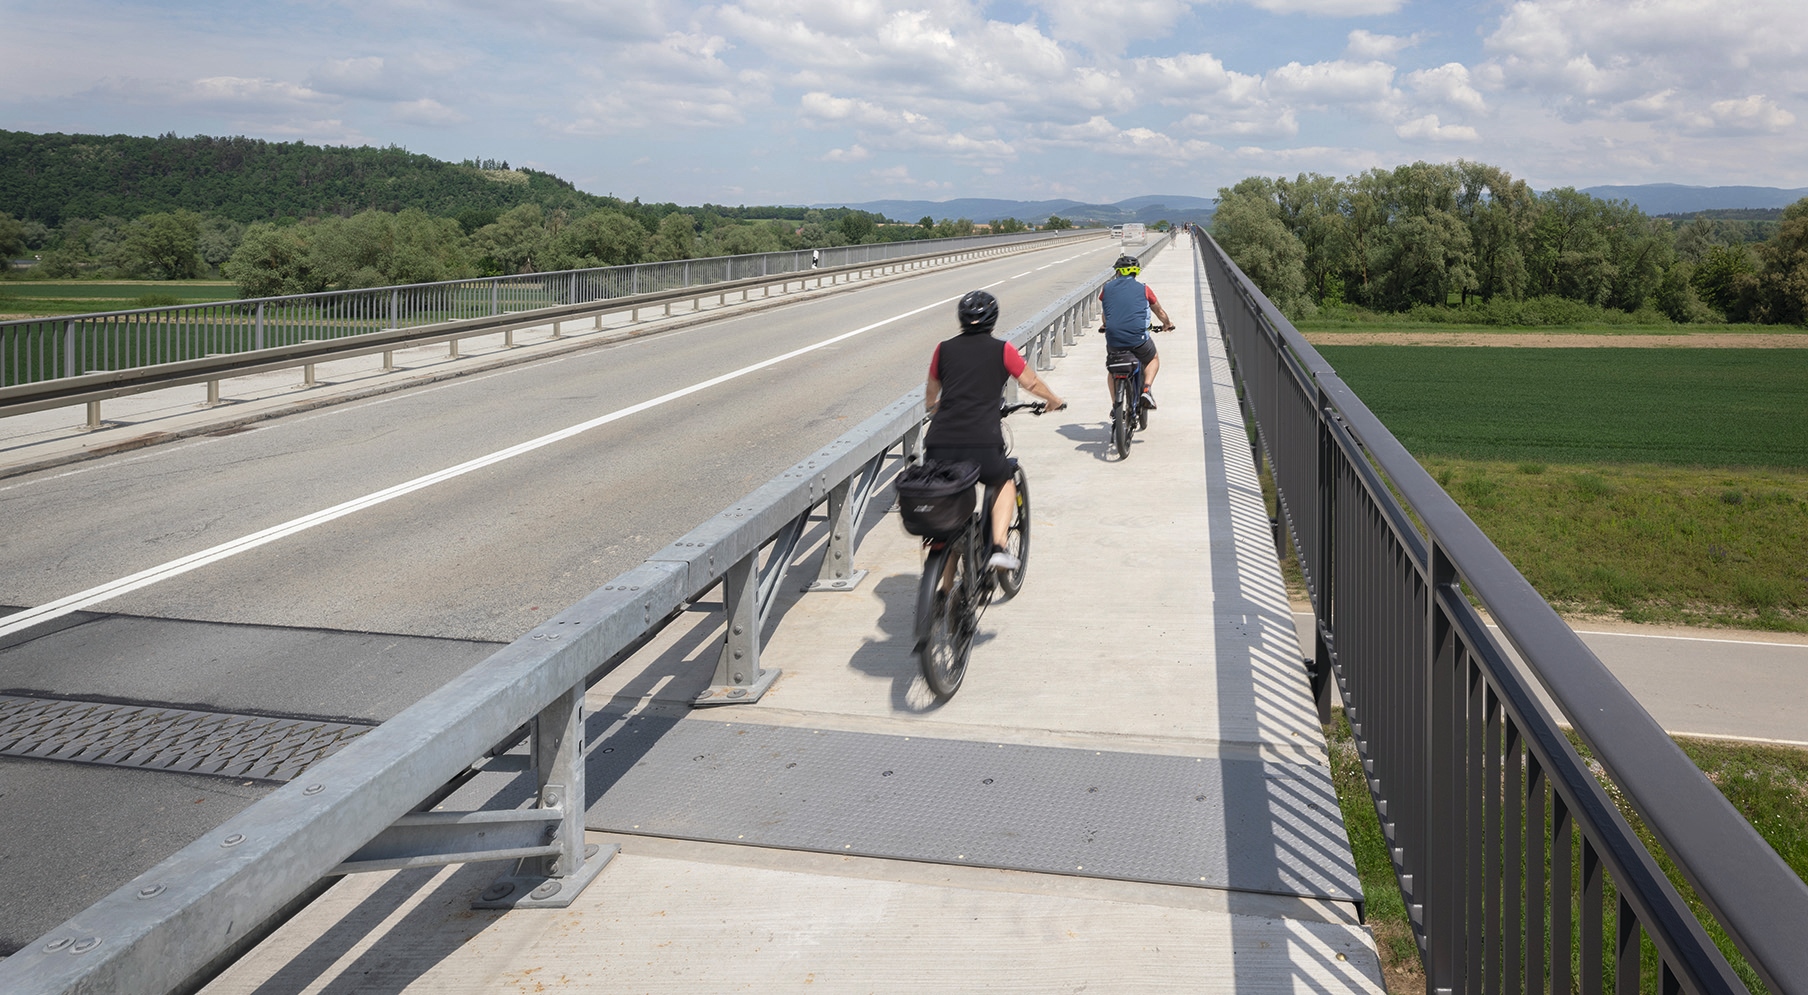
x=1092, y=439
x=889, y=657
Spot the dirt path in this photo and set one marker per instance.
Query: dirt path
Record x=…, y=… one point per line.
x=1569, y=340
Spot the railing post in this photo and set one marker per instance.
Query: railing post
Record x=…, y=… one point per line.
x=70, y=369
x=1321, y=592
x=837, y=572
x=495, y=297
x=258, y=341
x=739, y=678
x=1056, y=339
x=94, y=416
x=1445, y=834
x=556, y=748
x=1043, y=360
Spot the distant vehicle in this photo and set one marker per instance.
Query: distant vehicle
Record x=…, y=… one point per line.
x=1117, y=231
x=1134, y=234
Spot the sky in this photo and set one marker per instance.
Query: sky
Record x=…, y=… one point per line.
x=848, y=101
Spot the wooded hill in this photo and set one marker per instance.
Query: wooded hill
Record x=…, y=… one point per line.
x=48, y=178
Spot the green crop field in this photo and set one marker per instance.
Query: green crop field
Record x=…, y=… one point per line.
x=1688, y=407
x=41, y=298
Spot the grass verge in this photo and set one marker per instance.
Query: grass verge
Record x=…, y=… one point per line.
x=1646, y=543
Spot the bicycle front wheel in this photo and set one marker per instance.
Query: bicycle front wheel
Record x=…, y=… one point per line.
x=945, y=620
x=1017, y=538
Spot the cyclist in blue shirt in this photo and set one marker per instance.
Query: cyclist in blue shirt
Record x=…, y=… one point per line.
x=1125, y=303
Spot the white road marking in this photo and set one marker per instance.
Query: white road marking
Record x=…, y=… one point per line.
x=144, y=578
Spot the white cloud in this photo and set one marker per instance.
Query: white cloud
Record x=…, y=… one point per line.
x=1338, y=82
x=1599, y=59
x=1331, y=8
x=1364, y=45
x=1108, y=28
x=1428, y=129
x=853, y=153
x=1447, y=84
x=1755, y=114
x=427, y=111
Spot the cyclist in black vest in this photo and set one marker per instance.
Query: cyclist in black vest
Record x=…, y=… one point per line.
x=1125, y=303
x=967, y=375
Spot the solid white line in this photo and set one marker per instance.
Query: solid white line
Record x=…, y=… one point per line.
x=1695, y=639
x=144, y=578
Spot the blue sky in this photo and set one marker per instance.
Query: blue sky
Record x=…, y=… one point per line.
x=844, y=101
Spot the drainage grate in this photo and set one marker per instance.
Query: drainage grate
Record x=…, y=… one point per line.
x=176, y=739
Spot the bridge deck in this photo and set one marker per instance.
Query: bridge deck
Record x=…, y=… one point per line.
x=848, y=833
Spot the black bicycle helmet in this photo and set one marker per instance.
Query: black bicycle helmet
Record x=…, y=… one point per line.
x=1127, y=266
x=978, y=312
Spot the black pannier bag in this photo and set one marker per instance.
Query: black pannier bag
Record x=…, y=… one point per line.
x=935, y=497
x=1120, y=361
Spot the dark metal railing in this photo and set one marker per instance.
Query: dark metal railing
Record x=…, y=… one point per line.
x=1518, y=871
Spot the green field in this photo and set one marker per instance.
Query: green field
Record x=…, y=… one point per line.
x=40, y=298
x=1686, y=407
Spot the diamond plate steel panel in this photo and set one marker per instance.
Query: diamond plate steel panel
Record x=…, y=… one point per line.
x=1243, y=825
x=156, y=738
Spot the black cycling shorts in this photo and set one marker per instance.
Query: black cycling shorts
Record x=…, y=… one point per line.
x=1145, y=353
x=994, y=465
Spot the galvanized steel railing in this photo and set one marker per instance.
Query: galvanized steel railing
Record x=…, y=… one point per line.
x=1504, y=842
x=35, y=350
x=356, y=810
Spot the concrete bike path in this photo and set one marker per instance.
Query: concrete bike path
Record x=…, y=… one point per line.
x=1154, y=624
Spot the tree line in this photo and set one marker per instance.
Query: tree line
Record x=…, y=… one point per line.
x=293, y=218
x=382, y=248
x=1469, y=235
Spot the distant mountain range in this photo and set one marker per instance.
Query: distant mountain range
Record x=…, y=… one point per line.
x=1674, y=198
x=1652, y=198
x=1171, y=208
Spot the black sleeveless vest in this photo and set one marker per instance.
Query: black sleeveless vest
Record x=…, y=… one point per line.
x=973, y=378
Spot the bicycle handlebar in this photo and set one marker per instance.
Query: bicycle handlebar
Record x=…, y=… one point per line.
x=1034, y=407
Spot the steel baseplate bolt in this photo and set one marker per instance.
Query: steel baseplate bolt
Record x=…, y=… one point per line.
x=151, y=892
x=85, y=944
x=57, y=944
x=547, y=890
x=313, y=789
x=234, y=840
x=499, y=890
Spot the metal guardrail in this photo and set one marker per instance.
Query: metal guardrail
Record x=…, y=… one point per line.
x=43, y=350
x=357, y=810
x=1503, y=840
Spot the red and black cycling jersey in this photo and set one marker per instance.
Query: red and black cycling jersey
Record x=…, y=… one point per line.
x=973, y=370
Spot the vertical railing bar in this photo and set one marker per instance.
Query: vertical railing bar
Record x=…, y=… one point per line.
x=1536, y=874
x=1562, y=894
x=1592, y=941
x=1511, y=888
x=1492, y=761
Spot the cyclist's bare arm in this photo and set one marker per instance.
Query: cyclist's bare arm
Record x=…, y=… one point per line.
x=1155, y=305
x=932, y=393
x=1031, y=382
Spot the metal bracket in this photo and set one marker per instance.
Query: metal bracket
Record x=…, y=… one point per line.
x=537, y=891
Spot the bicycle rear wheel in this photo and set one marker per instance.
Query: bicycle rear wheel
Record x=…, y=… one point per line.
x=945, y=621
x=1017, y=538
x=1120, y=420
